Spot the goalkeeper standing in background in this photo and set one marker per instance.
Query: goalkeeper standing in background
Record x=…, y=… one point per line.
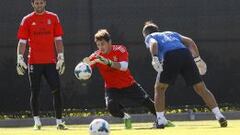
x=174, y=54
x=42, y=31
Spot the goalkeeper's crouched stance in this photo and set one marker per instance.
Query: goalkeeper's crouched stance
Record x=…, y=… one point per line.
x=121, y=90
x=174, y=54
x=117, y=99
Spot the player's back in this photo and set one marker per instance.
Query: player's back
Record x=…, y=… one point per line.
x=167, y=41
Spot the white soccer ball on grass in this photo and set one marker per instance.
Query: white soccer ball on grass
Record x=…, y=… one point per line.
x=99, y=127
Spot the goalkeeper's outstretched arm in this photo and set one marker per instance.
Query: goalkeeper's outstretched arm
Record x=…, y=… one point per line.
x=123, y=65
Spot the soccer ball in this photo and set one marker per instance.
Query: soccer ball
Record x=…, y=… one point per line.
x=83, y=71
x=99, y=127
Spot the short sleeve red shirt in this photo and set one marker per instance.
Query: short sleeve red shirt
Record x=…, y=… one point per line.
x=40, y=31
x=114, y=78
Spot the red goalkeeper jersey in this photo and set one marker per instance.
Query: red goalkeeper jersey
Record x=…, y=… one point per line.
x=114, y=78
x=40, y=31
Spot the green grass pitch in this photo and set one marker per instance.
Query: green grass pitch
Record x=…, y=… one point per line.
x=182, y=128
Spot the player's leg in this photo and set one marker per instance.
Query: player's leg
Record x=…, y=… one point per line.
x=139, y=95
x=136, y=94
x=159, y=99
x=206, y=95
x=210, y=101
x=192, y=77
x=171, y=69
x=172, y=65
x=113, y=99
x=53, y=80
x=34, y=75
x=113, y=105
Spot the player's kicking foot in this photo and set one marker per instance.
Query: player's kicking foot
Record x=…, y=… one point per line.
x=61, y=126
x=37, y=127
x=222, y=122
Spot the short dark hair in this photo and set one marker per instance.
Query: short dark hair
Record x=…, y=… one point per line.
x=149, y=27
x=32, y=1
x=102, y=34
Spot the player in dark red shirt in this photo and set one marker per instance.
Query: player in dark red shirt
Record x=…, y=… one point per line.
x=120, y=86
x=42, y=31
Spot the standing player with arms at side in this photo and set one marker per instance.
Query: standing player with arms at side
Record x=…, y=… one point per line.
x=120, y=86
x=174, y=54
x=42, y=31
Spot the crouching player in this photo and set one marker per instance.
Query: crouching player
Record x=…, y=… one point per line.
x=120, y=86
x=174, y=54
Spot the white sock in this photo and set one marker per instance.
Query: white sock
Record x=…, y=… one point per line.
x=160, y=115
x=217, y=113
x=126, y=116
x=37, y=120
x=161, y=118
x=58, y=121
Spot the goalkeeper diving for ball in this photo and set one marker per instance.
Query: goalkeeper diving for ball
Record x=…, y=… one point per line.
x=174, y=54
x=120, y=86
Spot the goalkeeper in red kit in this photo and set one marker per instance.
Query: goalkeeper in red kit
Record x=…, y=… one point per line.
x=42, y=31
x=120, y=86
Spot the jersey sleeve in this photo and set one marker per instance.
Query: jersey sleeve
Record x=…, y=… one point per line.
x=58, y=31
x=23, y=31
x=149, y=40
x=123, y=54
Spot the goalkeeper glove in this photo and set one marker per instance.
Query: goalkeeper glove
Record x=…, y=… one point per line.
x=202, y=67
x=21, y=65
x=157, y=65
x=105, y=61
x=88, y=61
x=60, y=66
